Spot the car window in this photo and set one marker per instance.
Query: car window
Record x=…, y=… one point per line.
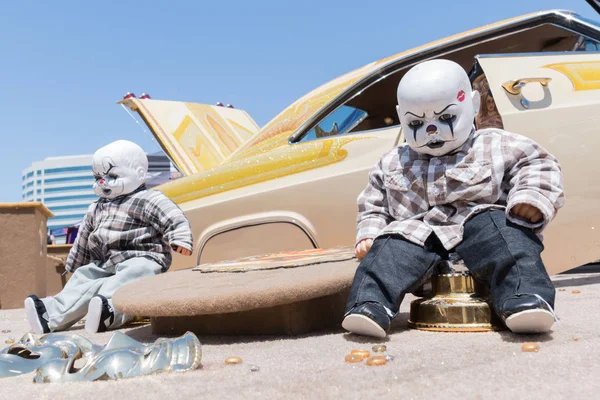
x=339, y=122
x=588, y=45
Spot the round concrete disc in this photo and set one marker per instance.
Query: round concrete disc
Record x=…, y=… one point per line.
x=188, y=292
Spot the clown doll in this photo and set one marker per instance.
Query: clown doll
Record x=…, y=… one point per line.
x=485, y=195
x=126, y=235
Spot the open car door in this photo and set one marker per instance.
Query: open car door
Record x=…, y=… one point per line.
x=554, y=98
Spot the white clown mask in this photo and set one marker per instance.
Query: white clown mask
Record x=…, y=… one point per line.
x=119, y=168
x=436, y=106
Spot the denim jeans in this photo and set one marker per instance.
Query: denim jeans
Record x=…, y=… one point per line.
x=503, y=255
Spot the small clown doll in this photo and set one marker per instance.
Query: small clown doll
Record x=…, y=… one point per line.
x=485, y=195
x=126, y=235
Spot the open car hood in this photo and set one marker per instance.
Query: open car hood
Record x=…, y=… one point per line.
x=196, y=137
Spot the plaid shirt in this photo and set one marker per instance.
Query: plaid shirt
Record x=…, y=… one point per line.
x=144, y=223
x=415, y=194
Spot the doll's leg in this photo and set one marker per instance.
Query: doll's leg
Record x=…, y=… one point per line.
x=390, y=269
x=507, y=257
x=70, y=305
x=102, y=316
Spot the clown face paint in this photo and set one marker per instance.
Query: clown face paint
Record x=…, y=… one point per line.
x=119, y=169
x=436, y=107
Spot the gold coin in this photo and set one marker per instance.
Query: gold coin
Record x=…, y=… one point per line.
x=575, y=292
x=379, y=348
x=530, y=347
x=362, y=353
x=353, y=358
x=377, y=360
x=562, y=290
x=233, y=360
x=9, y=341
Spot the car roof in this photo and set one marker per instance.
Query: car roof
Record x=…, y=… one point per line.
x=294, y=117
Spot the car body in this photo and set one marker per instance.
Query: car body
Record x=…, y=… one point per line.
x=293, y=184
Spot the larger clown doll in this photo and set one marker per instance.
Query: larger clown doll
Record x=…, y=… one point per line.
x=486, y=195
x=126, y=235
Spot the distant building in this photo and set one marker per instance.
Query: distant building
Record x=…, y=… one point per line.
x=64, y=185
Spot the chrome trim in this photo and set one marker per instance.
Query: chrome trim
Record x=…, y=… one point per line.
x=544, y=54
x=256, y=222
x=364, y=133
x=555, y=17
x=594, y=5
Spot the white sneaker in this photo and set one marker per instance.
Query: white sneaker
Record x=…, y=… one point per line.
x=100, y=315
x=362, y=325
x=37, y=315
x=530, y=321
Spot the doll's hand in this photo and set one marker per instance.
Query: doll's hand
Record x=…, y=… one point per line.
x=183, y=250
x=527, y=212
x=362, y=248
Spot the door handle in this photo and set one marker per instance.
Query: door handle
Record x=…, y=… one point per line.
x=514, y=87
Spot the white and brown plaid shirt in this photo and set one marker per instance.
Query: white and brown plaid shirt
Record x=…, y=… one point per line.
x=144, y=223
x=415, y=194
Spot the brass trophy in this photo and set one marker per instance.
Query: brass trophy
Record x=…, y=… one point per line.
x=454, y=302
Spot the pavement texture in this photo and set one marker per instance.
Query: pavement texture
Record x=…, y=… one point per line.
x=425, y=365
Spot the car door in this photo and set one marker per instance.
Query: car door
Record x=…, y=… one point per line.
x=554, y=98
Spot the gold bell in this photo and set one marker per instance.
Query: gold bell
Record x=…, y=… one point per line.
x=458, y=304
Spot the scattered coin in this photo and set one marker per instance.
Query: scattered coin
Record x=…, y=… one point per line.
x=530, y=347
x=353, y=358
x=254, y=368
x=575, y=292
x=362, y=353
x=379, y=348
x=233, y=360
x=376, y=360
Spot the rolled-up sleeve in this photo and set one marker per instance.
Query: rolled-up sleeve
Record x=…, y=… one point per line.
x=170, y=220
x=80, y=253
x=373, y=214
x=535, y=178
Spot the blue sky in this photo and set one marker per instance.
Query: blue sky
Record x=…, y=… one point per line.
x=64, y=64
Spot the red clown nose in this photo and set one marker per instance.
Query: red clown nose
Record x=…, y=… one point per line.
x=102, y=181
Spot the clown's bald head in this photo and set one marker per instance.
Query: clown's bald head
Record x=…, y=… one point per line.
x=119, y=168
x=436, y=106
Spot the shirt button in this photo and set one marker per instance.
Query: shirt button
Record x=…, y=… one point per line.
x=435, y=191
x=437, y=161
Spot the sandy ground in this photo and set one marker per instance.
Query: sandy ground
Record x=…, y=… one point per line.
x=426, y=364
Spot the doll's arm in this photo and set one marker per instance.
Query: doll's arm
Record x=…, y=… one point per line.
x=535, y=179
x=168, y=219
x=373, y=213
x=80, y=253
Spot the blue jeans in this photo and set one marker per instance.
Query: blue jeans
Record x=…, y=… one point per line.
x=504, y=256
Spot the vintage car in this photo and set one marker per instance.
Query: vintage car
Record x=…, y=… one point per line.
x=292, y=184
